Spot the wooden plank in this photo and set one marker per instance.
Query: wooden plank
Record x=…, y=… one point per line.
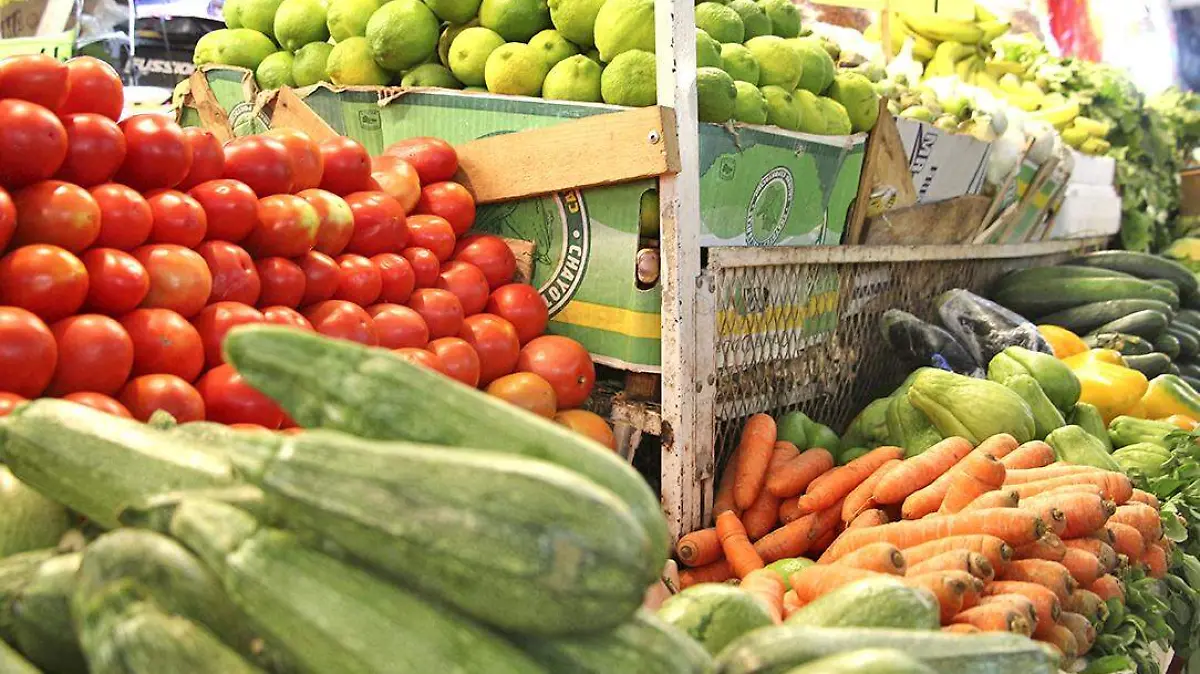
x=212, y=116
x=291, y=112
x=998, y=199
x=952, y=221
x=886, y=181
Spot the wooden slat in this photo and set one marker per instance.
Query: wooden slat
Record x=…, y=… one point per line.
x=952, y=221
x=886, y=181
x=291, y=112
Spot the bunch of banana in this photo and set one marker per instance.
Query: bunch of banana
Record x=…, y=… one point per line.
x=1088, y=135
x=957, y=59
x=927, y=32
x=1057, y=110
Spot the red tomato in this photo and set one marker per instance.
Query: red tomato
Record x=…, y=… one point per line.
x=164, y=343
x=234, y=277
x=442, y=311
x=467, y=283
x=451, y=201
x=359, y=281
x=145, y=395
x=8, y=218
x=434, y=233
x=321, y=277
x=46, y=280
x=496, y=342
x=33, y=143
x=287, y=227
x=57, y=213
x=178, y=219
x=94, y=354
x=208, y=158
x=523, y=306
x=179, y=278
x=100, y=402
x=564, y=363
x=493, y=257
x=28, y=353
x=125, y=216
x=421, y=357
x=9, y=402
x=93, y=86
x=379, y=224
x=347, y=166
x=433, y=158
x=396, y=276
x=216, y=320
x=425, y=266
x=459, y=359
x=286, y=316
x=337, y=220
x=307, y=163
x=37, y=78
x=229, y=399
x=117, y=282
x=282, y=282
x=399, y=326
x=343, y=320
x=261, y=162
x=95, y=149
x=230, y=207
x=398, y=178
x=157, y=153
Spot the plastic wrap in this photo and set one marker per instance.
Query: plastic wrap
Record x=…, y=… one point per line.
x=924, y=344
x=985, y=328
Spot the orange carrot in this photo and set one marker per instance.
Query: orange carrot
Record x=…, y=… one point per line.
x=1060, y=638
x=791, y=604
x=1048, y=547
x=869, y=518
x=921, y=470
x=878, y=557
x=1117, y=488
x=1103, y=551
x=961, y=628
x=1081, y=627
x=1033, y=454
x=789, y=510
x=793, y=477
x=1145, y=497
x=1127, y=540
x=995, y=618
x=1016, y=601
x=837, y=483
x=723, y=500
x=1046, y=604
x=1084, y=512
x=737, y=546
x=828, y=520
x=754, y=452
x=1083, y=566
x=957, y=560
x=717, y=572
x=978, y=474
x=1087, y=603
x=947, y=589
x=1026, y=475
x=699, y=548
x=791, y=540
x=997, y=498
x=1054, y=518
x=782, y=453
x=1155, y=559
x=767, y=586
x=1141, y=517
x=994, y=549
x=974, y=592
x=861, y=498
x=1108, y=587
x=928, y=499
x=822, y=542
x=1012, y=525
x=1050, y=575
x=815, y=581
x=1000, y=446
x=761, y=517
x=1104, y=535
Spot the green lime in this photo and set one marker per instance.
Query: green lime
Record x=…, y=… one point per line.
x=351, y=63
x=787, y=567
x=454, y=11
x=515, y=20
x=298, y=22
x=793, y=427
x=256, y=15
x=823, y=436
x=240, y=47
x=308, y=66
x=594, y=55
x=402, y=34
x=575, y=78
x=708, y=50
x=837, y=120
x=348, y=18
x=630, y=80
x=622, y=25
x=778, y=62
x=740, y=63
x=552, y=46
x=781, y=108
x=785, y=17
x=816, y=64
x=430, y=75
x=447, y=39
x=275, y=71
x=722, y=23
x=231, y=12
x=648, y=213
x=716, y=96
x=476, y=90
x=515, y=69
x=754, y=18
x=576, y=19
x=858, y=97
x=812, y=118
x=470, y=52
x=751, y=107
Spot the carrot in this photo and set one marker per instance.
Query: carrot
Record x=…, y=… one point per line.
x=957, y=560
x=1061, y=638
x=878, y=557
x=821, y=543
x=1117, y=487
x=961, y=628
x=1054, y=518
x=869, y=518
x=793, y=477
x=815, y=581
x=781, y=454
x=1017, y=601
x=1050, y=575
x=994, y=549
x=839, y=482
x=921, y=470
x=828, y=521
x=791, y=540
x=1103, y=551
x=1104, y=535
x=737, y=546
x=1046, y=605
x=1027, y=475
x=1012, y=525
x=1127, y=540
x=1108, y=587
x=997, y=498
x=723, y=500
x=1048, y=547
x=861, y=498
x=761, y=517
x=754, y=452
x=1087, y=603
x=1083, y=566
x=1081, y=628
x=978, y=474
x=928, y=499
x=791, y=604
x=974, y=592
x=789, y=510
x=699, y=548
x=1084, y=512
x=1155, y=559
x=717, y=572
x=948, y=591
x=1033, y=454
x=1141, y=517
x=1145, y=497
x=995, y=618
x=767, y=586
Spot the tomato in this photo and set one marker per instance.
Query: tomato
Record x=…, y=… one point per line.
x=398, y=178
x=262, y=162
x=286, y=316
x=433, y=233
x=523, y=306
x=93, y=86
x=145, y=395
x=28, y=353
x=425, y=266
x=337, y=220
x=178, y=219
x=8, y=218
x=234, y=277
x=399, y=326
x=421, y=357
x=527, y=391
x=396, y=277
x=343, y=320
x=441, y=310
x=57, y=213
x=216, y=320
x=37, y=78
x=347, y=166
x=459, y=359
x=157, y=153
x=495, y=340
x=321, y=277
x=229, y=399
x=287, y=227
x=33, y=143
x=95, y=149
x=359, y=281
x=467, y=283
x=164, y=343
x=125, y=216
x=451, y=201
x=179, y=278
x=307, y=163
x=9, y=402
x=564, y=363
x=282, y=282
x=433, y=158
x=230, y=208
x=117, y=282
x=491, y=254
x=100, y=402
x=94, y=354
x=45, y=280
x=588, y=424
x=379, y=224
x=208, y=158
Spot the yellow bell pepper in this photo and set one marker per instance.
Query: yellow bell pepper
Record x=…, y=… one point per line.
x=1064, y=342
x=1167, y=395
x=1113, y=389
x=1183, y=421
x=1102, y=355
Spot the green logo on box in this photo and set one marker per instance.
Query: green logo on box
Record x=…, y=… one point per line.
x=770, y=205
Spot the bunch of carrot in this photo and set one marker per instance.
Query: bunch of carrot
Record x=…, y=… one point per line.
x=1004, y=536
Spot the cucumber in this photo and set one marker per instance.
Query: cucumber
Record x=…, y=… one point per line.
x=1189, y=329
x=1189, y=316
x=1194, y=382
x=883, y=602
x=1087, y=317
x=1147, y=323
x=1189, y=346
x=11, y=662
x=1142, y=265
x=1049, y=275
x=1164, y=283
x=645, y=644
x=714, y=614
x=1151, y=364
x=155, y=512
x=1035, y=300
x=1173, y=369
x=1126, y=345
x=1189, y=369
x=15, y=573
x=41, y=615
x=866, y=661
x=1168, y=344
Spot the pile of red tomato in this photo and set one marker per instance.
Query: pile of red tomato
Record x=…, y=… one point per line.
x=130, y=248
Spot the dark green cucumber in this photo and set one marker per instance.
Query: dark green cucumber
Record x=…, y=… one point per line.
x=1194, y=382
x=1188, y=369
x=645, y=645
x=1126, y=345
x=1142, y=265
x=1062, y=272
x=1189, y=316
x=1168, y=344
x=1164, y=283
x=1147, y=323
x=1087, y=317
x=1036, y=300
x=41, y=615
x=11, y=662
x=15, y=573
x=1173, y=369
x=1189, y=346
x=1151, y=364
x=1189, y=329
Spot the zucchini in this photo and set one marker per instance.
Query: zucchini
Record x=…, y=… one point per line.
x=11, y=662
x=1151, y=364
x=645, y=645
x=1057, y=274
x=1189, y=329
x=1189, y=316
x=1147, y=323
x=41, y=615
x=340, y=385
x=1189, y=346
x=15, y=573
x=1168, y=344
x=1035, y=300
x=873, y=602
x=866, y=661
x=1126, y=345
x=1087, y=317
x=1142, y=265
x=155, y=512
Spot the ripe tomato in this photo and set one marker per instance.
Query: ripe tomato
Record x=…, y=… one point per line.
x=261, y=162
x=467, y=283
x=229, y=399
x=434, y=233
x=179, y=278
x=343, y=320
x=287, y=227
x=145, y=395
x=208, y=158
x=451, y=201
x=307, y=163
x=8, y=218
x=321, y=277
x=178, y=218
x=117, y=282
x=93, y=86
x=100, y=402
x=234, y=277
x=527, y=391
x=398, y=178
x=433, y=158
x=425, y=265
x=358, y=280
x=95, y=149
x=216, y=320
x=421, y=357
x=396, y=276
x=379, y=224
x=337, y=220
x=57, y=213
x=564, y=363
x=94, y=354
x=286, y=316
x=28, y=353
x=33, y=143
x=493, y=257
x=125, y=216
x=230, y=208
x=9, y=402
x=495, y=340
x=157, y=154
x=46, y=280
x=347, y=166
x=399, y=326
x=164, y=343
x=523, y=306
x=588, y=424
x=282, y=282
x=442, y=311
x=459, y=359
x=37, y=78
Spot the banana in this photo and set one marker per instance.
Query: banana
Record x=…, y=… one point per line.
x=1010, y=83
x=1059, y=116
x=967, y=67
x=999, y=69
x=982, y=15
x=923, y=50
x=992, y=30
x=985, y=80
x=1075, y=137
x=1095, y=146
x=1091, y=127
x=945, y=59
x=942, y=29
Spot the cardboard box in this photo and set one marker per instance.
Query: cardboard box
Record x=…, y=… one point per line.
x=1087, y=211
x=944, y=165
x=1091, y=170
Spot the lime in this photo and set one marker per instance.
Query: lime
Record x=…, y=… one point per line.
x=785, y=17
x=231, y=12
x=708, y=50
x=298, y=22
x=240, y=47
x=575, y=78
x=812, y=118
x=630, y=79
x=515, y=20
x=837, y=120
x=476, y=90
x=793, y=427
x=817, y=65
x=754, y=18
x=740, y=63
x=402, y=34
x=256, y=15
x=430, y=75
x=721, y=22
x=515, y=69
x=751, y=106
x=778, y=62
x=447, y=39
x=454, y=11
x=350, y=63
x=594, y=55
x=552, y=46
x=716, y=97
x=858, y=97
x=308, y=66
x=576, y=19
x=648, y=214
x=348, y=18
x=470, y=52
x=622, y=25
x=275, y=71
x=781, y=109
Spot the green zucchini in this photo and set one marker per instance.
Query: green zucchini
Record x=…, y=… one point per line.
x=15, y=573
x=1088, y=317
x=645, y=645
x=1142, y=265
x=155, y=512
x=1189, y=346
x=1036, y=300
x=1165, y=283
x=1189, y=316
x=1151, y=364
x=1147, y=323
x=1189, y=329
x=1057, y=274
x=1168, y=344
x=339, y=385
x=1126, y=345
x=866, y=661
x=11, y=662
x=873, y=602
x=41, y=615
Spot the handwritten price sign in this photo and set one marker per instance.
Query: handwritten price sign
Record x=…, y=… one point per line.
x=59, y=46
x=953, y=9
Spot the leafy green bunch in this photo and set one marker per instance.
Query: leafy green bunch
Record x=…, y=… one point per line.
x=1124, y=640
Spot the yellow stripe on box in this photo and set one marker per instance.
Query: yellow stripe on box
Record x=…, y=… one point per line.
x=611, y=319
x=774, y=319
